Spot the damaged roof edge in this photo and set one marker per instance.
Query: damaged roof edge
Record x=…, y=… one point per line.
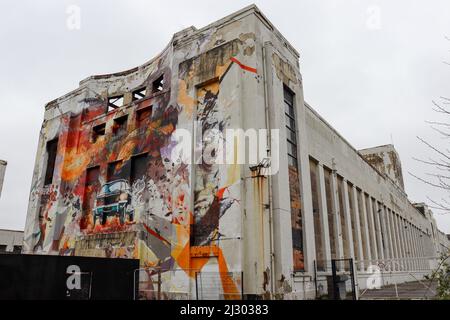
x=187, y=32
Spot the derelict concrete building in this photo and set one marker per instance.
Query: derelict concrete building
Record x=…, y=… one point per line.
x=109, y=181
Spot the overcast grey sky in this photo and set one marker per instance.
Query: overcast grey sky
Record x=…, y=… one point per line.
x=371, y=68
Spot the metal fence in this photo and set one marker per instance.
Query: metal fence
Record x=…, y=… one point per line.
x=397, y=278
x=159, y=284
x=181, y=284
x=335, y=279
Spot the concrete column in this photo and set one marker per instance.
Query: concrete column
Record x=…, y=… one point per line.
x=309, y=245
x=401, y=243
x=416, y=240
x=385, y=233
x=405, y=243
x=358, y=228
x=373, y=232
x=348, y=220
x=401, y=234
x=409, y=244
x=387, y=215
x=334, y=188
x=416, y=255
x=394, y=239
x=376, y=214
x=412, y=245
x=422, y=248
x=324, y=213
x=418, y=247
x=365, y=232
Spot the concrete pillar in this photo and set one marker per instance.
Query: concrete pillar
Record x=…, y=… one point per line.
x=422, y=248
x=400, y=242
x=365, y=232
x=416, y=241
x=348, y=220
x=373, y=232
x=387, y=215
x=414, y=245
x=404, y=243
x=407, y=244
x=376, y=214
x=394, y=239
x=309, y=245
x=324, y=213
x=387, y=233
x=419, y=254
x=334, y=188
x=357, y=224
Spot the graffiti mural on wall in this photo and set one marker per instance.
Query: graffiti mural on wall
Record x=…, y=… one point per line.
x=117, y=192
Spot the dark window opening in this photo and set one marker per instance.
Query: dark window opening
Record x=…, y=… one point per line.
x=120, y=125
x=3, y=248
x=139, y=93
x=98, y=131
x=138, y=167
x=114, y=169
x=91, y=189
x=158, y=84
x=17, y=249
x=115, y=102
x=291, y=133
x=52, y=148
x=143, y=116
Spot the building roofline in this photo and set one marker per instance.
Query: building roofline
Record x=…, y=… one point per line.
x=187, y=32
x=9, y=230
x=3, y=162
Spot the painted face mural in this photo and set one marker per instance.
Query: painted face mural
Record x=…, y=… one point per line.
x=117, y=192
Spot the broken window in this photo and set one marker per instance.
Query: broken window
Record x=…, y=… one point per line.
x=294, y=182
x=17, y=249
x=52, y=148
x=98, y=131
x=139, y=93
x=115, y=102
x=114, y=171
x=120, y=125
x=91, y=189
x=158, y=84
x=138, y=167
x=143, y=116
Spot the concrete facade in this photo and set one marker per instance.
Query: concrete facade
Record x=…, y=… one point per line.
x=116, y=136
x=11, y=241
x=3, y=165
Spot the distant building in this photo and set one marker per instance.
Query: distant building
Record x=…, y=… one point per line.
x=2, y=173
x=10, y=241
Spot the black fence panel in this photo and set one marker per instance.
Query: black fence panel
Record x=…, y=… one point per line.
x=40, y=277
